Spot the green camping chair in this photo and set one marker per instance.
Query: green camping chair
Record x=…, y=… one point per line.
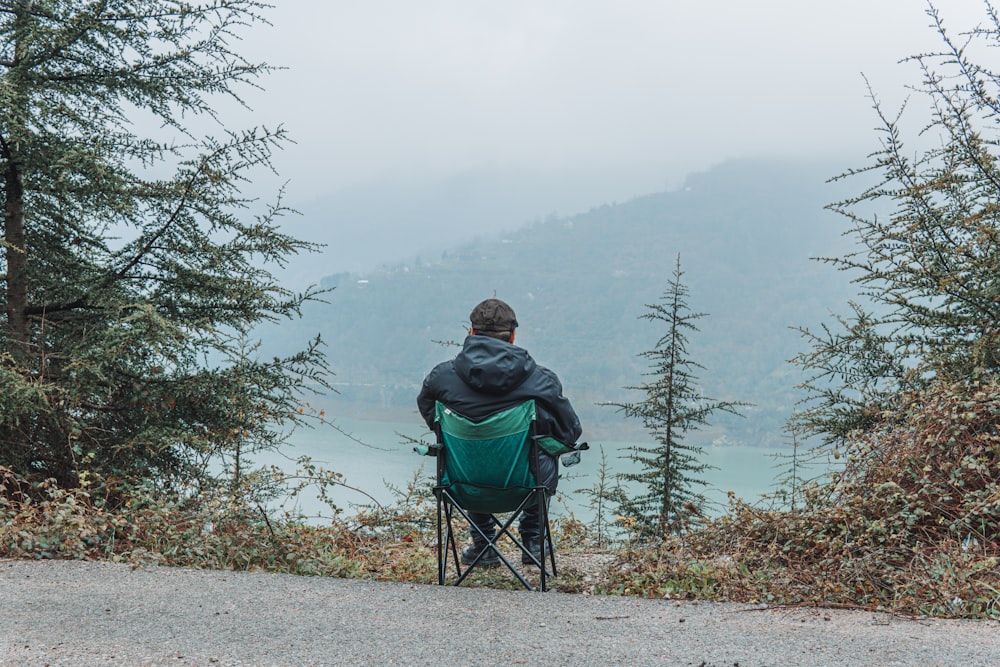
x=485, y=467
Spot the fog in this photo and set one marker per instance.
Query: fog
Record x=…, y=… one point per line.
x=418, y=125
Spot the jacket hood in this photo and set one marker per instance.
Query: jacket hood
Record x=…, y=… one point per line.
x=493, y=366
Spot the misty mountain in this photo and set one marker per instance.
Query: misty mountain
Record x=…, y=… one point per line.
x=745, y=232
x=409, y=212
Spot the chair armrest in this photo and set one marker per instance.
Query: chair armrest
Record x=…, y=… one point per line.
x=551, y=446
x=427, y=450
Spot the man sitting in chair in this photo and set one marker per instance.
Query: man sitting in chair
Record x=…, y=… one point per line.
x=492, y=374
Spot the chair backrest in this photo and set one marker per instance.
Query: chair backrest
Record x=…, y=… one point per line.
x=486, y=464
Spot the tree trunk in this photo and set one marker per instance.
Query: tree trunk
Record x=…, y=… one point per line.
x=16, y=255
x=15, y=248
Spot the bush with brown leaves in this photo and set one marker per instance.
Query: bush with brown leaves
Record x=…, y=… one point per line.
x=911, y=524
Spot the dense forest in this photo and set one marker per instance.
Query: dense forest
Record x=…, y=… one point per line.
x=746, y=232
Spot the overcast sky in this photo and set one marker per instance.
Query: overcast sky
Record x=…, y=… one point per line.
x=533, y=107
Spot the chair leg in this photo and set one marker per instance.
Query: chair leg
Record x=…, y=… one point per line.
x=545, y=538
x=447, y=545
x=452, y=540
x=546, y=558
x=442, y=549
x=549, y=540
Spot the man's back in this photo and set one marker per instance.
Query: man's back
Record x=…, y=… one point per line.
x=489, y=375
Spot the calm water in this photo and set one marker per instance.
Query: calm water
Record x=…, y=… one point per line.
x=387, y=460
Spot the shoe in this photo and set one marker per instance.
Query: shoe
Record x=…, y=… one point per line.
x=489, y=559
x=533, y=545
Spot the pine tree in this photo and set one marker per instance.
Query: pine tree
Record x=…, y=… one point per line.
x=134, y=268
x=928, y=264
x=599, y=496
x=667, y=499
x=800, y=468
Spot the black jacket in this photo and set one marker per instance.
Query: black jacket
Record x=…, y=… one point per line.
x=489, y=375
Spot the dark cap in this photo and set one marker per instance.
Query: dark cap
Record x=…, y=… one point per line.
x=493, y=316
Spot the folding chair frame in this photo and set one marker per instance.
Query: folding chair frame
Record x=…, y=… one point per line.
x=448, y=537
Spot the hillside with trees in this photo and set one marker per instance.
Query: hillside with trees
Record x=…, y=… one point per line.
x=745, y=232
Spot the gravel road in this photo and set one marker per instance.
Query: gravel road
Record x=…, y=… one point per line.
x=79, y=614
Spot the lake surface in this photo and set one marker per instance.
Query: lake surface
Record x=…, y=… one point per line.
x=385, y=460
